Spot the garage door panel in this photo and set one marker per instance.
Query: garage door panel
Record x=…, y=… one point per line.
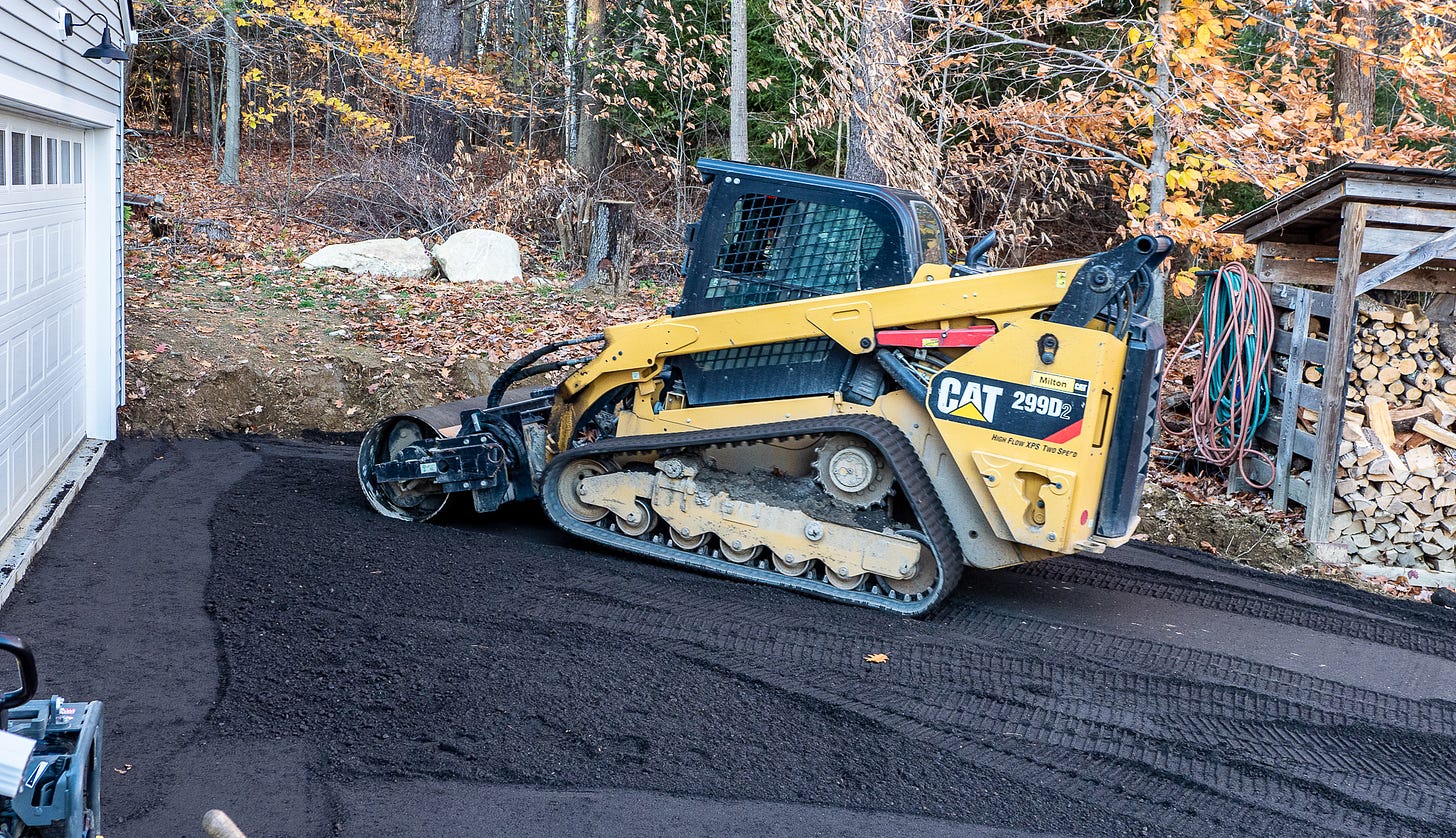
x=45, y=434
x=15, y=272
x=19, y=371
x=26, y=312
x=42, y=254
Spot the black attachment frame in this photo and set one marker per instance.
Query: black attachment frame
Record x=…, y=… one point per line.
x=1114, y=285
x=29, y=678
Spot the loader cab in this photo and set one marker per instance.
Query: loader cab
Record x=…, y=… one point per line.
x=770, y=236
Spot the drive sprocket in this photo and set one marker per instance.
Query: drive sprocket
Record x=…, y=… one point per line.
x=850, y=471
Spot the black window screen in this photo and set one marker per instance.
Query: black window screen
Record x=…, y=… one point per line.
x=777, y=249
x=17, y=159
x=4, y=170
x=51, y=161
x=37, y=160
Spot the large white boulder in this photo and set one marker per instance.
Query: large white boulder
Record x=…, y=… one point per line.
x=479, y=256
x=401, y=258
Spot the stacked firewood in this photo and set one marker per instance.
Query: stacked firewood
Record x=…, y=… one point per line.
x=1395, y=489
x=1397, y=357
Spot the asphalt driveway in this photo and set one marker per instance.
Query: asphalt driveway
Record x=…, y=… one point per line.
x=267, y=645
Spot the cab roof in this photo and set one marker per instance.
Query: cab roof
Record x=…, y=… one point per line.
x=710, y=169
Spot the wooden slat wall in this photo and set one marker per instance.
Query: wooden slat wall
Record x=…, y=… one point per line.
x=1293, y=348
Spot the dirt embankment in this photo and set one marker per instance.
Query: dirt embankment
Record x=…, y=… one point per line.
x=172, y=395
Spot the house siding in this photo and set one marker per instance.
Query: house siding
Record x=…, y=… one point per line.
x=43, y=73
x=37, y=52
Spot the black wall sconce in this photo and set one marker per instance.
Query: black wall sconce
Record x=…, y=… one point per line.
x=106, y=50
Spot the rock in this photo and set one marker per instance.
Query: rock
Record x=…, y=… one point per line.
x=1444, y=597
x=382, y=257
x=479, y=256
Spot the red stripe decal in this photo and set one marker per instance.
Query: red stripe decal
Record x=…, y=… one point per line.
x=1066, y=434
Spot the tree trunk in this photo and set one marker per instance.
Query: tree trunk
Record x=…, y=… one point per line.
x=469, y=31
x=212, y=109
x=1162, y=143
x=738, y=82
x=437, y=37
x=181, y=89
x=609, y=259
x=590, y=139
x=884, y=30
x=522, y=59
x=470, y=11
x=233, y=79
x=1354, y=77
x=569, y=70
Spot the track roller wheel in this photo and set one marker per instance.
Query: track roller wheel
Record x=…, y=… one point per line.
x=408, y=501
x=847, y=582
x=739, y=553
x=788, y=567
x=639, y=522
x=683, y=541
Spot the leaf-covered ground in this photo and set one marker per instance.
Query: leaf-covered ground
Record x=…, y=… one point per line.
x=209, y=322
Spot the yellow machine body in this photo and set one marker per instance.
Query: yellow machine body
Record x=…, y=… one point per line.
x=860, y=445
x=984, y=407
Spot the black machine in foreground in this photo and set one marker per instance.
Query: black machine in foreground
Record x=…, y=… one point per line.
x=55, y=748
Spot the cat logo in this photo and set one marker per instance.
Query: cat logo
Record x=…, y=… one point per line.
x=966, y=399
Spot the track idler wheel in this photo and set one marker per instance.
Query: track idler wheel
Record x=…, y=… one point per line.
x=570, y=482
x=926, y=573
x=412, y=500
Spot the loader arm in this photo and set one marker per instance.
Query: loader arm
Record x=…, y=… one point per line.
x=635, y=353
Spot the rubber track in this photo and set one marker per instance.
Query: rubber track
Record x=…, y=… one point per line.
x=892, y=445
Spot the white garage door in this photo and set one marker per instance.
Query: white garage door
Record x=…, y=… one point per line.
x=42, y=282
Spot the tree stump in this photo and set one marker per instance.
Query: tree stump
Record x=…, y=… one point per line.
x=609, y=257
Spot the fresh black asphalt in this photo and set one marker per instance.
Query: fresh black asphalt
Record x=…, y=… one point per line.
x=267, y=645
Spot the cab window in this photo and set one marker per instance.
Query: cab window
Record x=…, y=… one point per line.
x=932, y=235
x=778, y=248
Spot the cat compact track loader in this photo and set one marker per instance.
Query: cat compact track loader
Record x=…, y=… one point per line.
x=829, y=409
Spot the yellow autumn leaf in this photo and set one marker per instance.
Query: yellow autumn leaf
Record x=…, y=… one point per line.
x=877, y=657
x=1185, y=283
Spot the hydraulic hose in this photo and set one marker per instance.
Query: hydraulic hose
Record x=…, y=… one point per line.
x=514, y=372
x=1230, y=396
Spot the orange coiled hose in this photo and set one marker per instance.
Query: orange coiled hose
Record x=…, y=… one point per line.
x=1230, y=396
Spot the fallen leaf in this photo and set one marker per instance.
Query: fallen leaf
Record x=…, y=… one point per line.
x=877, y=657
